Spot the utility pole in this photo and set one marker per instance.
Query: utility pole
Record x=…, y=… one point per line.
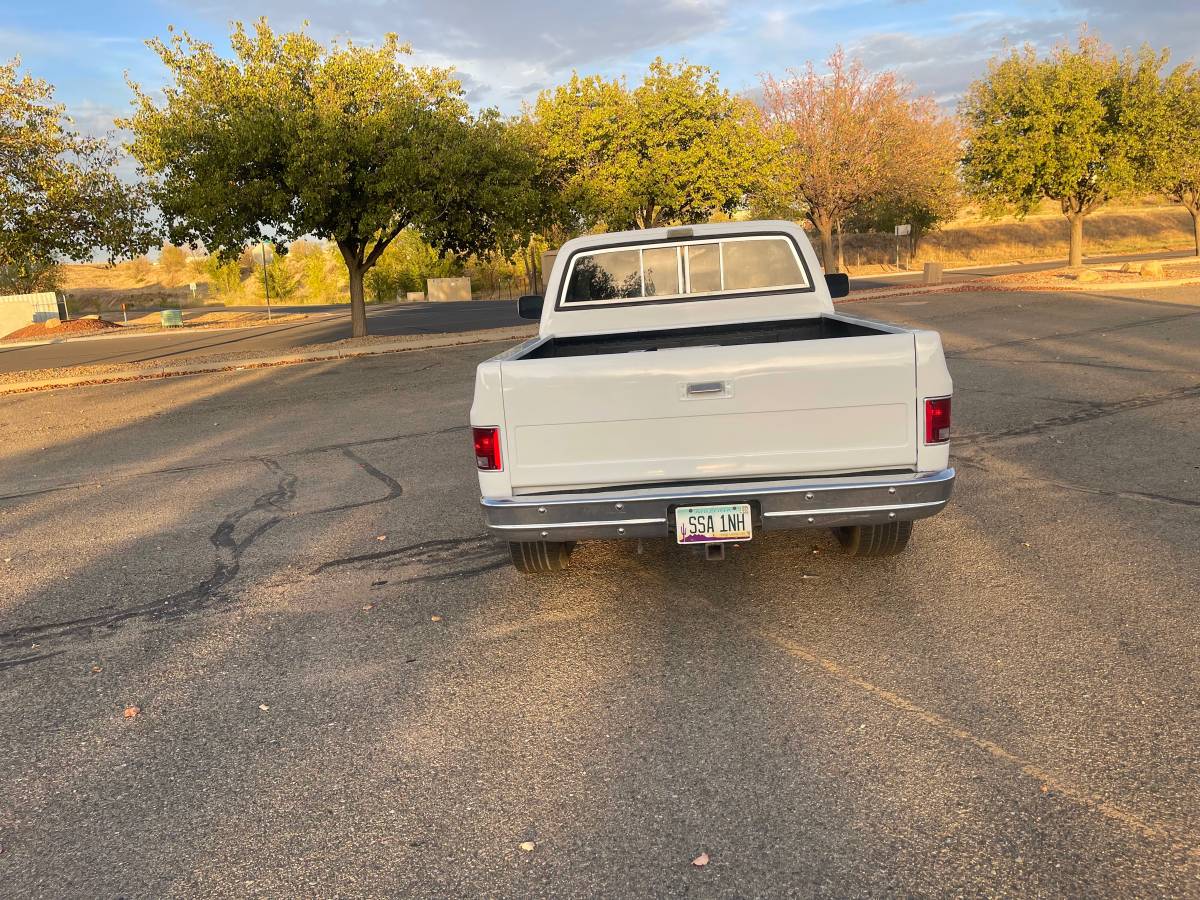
x=266, y=283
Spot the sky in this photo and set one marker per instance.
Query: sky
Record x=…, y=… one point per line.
x=506, y=52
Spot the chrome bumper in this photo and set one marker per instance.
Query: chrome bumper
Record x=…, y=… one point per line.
x=777, y=505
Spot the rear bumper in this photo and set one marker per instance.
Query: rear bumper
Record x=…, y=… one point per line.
x=777, y=505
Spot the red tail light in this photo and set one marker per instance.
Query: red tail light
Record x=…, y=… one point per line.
x=487, y=448
x=937, y=420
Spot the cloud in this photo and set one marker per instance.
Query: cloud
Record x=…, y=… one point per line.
x=942, y=64
x=506, y=47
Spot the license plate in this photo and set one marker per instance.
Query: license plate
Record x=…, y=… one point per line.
x=713, y=524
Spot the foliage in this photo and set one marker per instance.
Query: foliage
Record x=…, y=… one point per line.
x=225, y=275
x=29, y=275
x=406, y=265
x=172, y=259
x=320, y=283
x=139, y=267
x=342, y=142
x=677, y=148
x=1176, y=144
x=281, y=277
x=1070, y=127
x=855, y=143
x=59, y=193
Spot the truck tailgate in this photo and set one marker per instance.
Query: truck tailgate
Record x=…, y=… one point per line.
x=716, y=412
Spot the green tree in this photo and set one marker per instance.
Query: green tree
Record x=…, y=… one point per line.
x=282, y=280
x=407, y=264
x=677, y=148
x=225, y=275
x=60, y=197
x=341, y=142
x=1070, y=127
x=1177, y=144
x=319, y=283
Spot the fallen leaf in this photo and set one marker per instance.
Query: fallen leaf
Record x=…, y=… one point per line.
x=369, y=607
x=382, y=537
x=435, y=618
x=97, y=669
x=263, y=707
x=701, y=860
x=527, y=846
x=131, y=711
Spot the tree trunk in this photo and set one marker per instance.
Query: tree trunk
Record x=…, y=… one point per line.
x=356, y=268
x=1195, y=211
x=841, y=255
x=1076, y=220
x=358, y=306
x=824, y=226
x=914, y=241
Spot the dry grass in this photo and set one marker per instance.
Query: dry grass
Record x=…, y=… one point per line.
x=1048, y=236
x=975, y=240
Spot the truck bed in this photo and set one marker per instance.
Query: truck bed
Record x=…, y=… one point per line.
x=809, y=329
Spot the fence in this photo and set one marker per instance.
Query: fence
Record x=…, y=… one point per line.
x=869, y=249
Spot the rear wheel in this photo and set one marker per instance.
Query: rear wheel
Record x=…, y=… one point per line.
x=538, y=557
x=874, y=540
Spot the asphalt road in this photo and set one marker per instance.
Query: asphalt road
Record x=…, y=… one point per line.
x=344, y=689
x=408, y=318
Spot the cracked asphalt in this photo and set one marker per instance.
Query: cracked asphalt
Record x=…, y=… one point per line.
x=345, y=690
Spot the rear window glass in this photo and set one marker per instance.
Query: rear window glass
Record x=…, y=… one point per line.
x=732, y=265
x=759, y=264
x=704, y=268
x=661, y=268
x=606, y=276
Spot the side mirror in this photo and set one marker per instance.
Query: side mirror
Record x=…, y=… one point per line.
x=530, y=306
x=839, y=284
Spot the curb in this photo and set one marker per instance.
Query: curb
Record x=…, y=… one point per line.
x=1095, y=286
x=282, y=359
x=117, y=333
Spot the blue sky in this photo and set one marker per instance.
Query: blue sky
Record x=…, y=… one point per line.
x=505, y=52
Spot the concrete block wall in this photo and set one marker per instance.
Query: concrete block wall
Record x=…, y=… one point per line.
x=19, y=310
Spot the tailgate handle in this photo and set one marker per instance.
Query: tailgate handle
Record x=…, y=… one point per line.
x=706, y=387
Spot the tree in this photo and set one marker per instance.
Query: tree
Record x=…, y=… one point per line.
x=341, y=142
x=677, y=148
x=1177, y=150
x=172, y=259
x=845, y=136
x=318, y=281
x=60, y=196
x=281, y=280
x=1069, y=128
x=407, y=264
x=224, y=274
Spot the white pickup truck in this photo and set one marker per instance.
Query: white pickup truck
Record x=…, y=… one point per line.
x=695, y=384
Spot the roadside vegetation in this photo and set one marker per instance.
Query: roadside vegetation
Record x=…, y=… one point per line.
x=315, y=173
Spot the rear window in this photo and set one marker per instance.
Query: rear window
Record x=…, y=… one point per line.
x=657, y=271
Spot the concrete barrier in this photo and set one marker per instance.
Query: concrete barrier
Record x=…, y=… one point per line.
x=20, y=310
x=441, y=289
x=933, y=273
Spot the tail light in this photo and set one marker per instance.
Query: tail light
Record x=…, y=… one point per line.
x=937, y=420
x=487, y=448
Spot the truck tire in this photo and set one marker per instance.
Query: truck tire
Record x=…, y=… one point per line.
x=539, y=557
x=866, y=541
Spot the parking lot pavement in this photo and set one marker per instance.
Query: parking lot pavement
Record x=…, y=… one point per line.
x=343, y=689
